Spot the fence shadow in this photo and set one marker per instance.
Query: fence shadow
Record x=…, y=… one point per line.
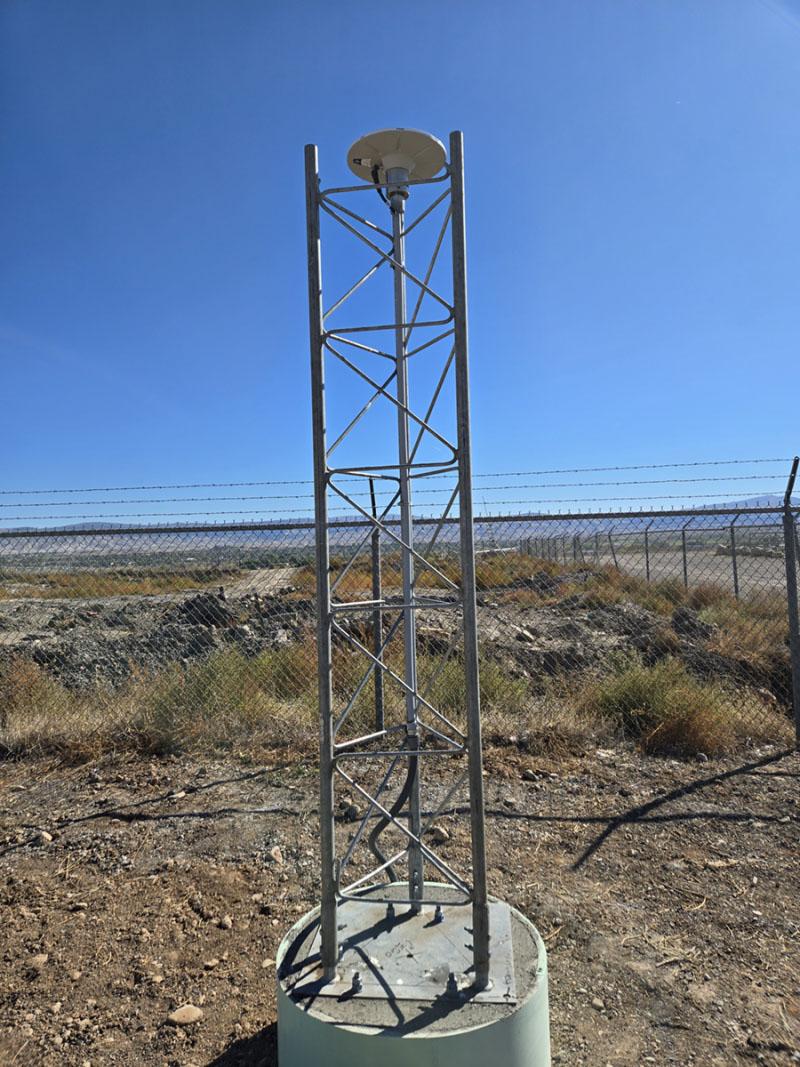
x=640, y=812
x=132, y=812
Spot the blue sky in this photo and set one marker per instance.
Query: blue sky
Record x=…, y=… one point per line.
x=633, y=225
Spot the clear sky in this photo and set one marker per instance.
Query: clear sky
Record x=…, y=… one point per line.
x=633, y=169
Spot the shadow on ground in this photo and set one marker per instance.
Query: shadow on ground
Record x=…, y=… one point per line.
x=260, y=1050
x=643, y=812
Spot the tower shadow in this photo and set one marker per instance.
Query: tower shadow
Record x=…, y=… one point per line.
x=258, y=1050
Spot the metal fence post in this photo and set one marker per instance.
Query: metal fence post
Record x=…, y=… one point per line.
x=613, y=551
x=790, y=549
x=377, y=597
x=683, y=551
x=734, y=561
x=647, y=550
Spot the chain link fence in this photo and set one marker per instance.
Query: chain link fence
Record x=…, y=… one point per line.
x=670, y=628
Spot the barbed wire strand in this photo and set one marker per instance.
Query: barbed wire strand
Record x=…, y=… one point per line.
x=386, y=492
x=276, y=517
x=307, y=481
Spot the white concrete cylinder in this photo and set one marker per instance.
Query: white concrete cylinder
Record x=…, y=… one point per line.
x=321, y=1030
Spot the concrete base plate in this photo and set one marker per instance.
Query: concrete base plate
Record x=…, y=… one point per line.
x=407, y=956
x=403, y=1015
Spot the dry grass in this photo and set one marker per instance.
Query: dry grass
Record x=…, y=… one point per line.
x=548, y=725
x=228, y=701
x=225, y=701
x=753, y=630
x=270, y=700
x=357, y=582
x=79, y=584
x=668, y=711
x=493, y=571
x=598, y=586
x=218, y=703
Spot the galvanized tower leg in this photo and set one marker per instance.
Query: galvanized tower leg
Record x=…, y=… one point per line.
x=415, y=869
x=480, y=906
x=377, y=618
x=327, y=842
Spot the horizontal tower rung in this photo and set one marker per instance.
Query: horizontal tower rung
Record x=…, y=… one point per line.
x=393, y=605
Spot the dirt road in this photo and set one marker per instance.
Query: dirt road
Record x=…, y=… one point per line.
x=268, y=581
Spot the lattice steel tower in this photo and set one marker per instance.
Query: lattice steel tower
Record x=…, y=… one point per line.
x=400, y=944
x=378, y=571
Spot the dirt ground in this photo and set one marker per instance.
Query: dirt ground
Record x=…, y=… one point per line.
x=667, y=893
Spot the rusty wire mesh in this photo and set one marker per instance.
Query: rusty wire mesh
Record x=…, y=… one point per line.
x=670, y=629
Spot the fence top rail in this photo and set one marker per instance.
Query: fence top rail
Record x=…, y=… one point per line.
x=580, y=516
x=344, y=524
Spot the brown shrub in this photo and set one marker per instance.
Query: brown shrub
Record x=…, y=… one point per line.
x=667, y=710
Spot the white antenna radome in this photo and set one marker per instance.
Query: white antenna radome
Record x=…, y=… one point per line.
x=419, y=154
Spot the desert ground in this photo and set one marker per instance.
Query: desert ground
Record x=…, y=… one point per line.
x=666, y=892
